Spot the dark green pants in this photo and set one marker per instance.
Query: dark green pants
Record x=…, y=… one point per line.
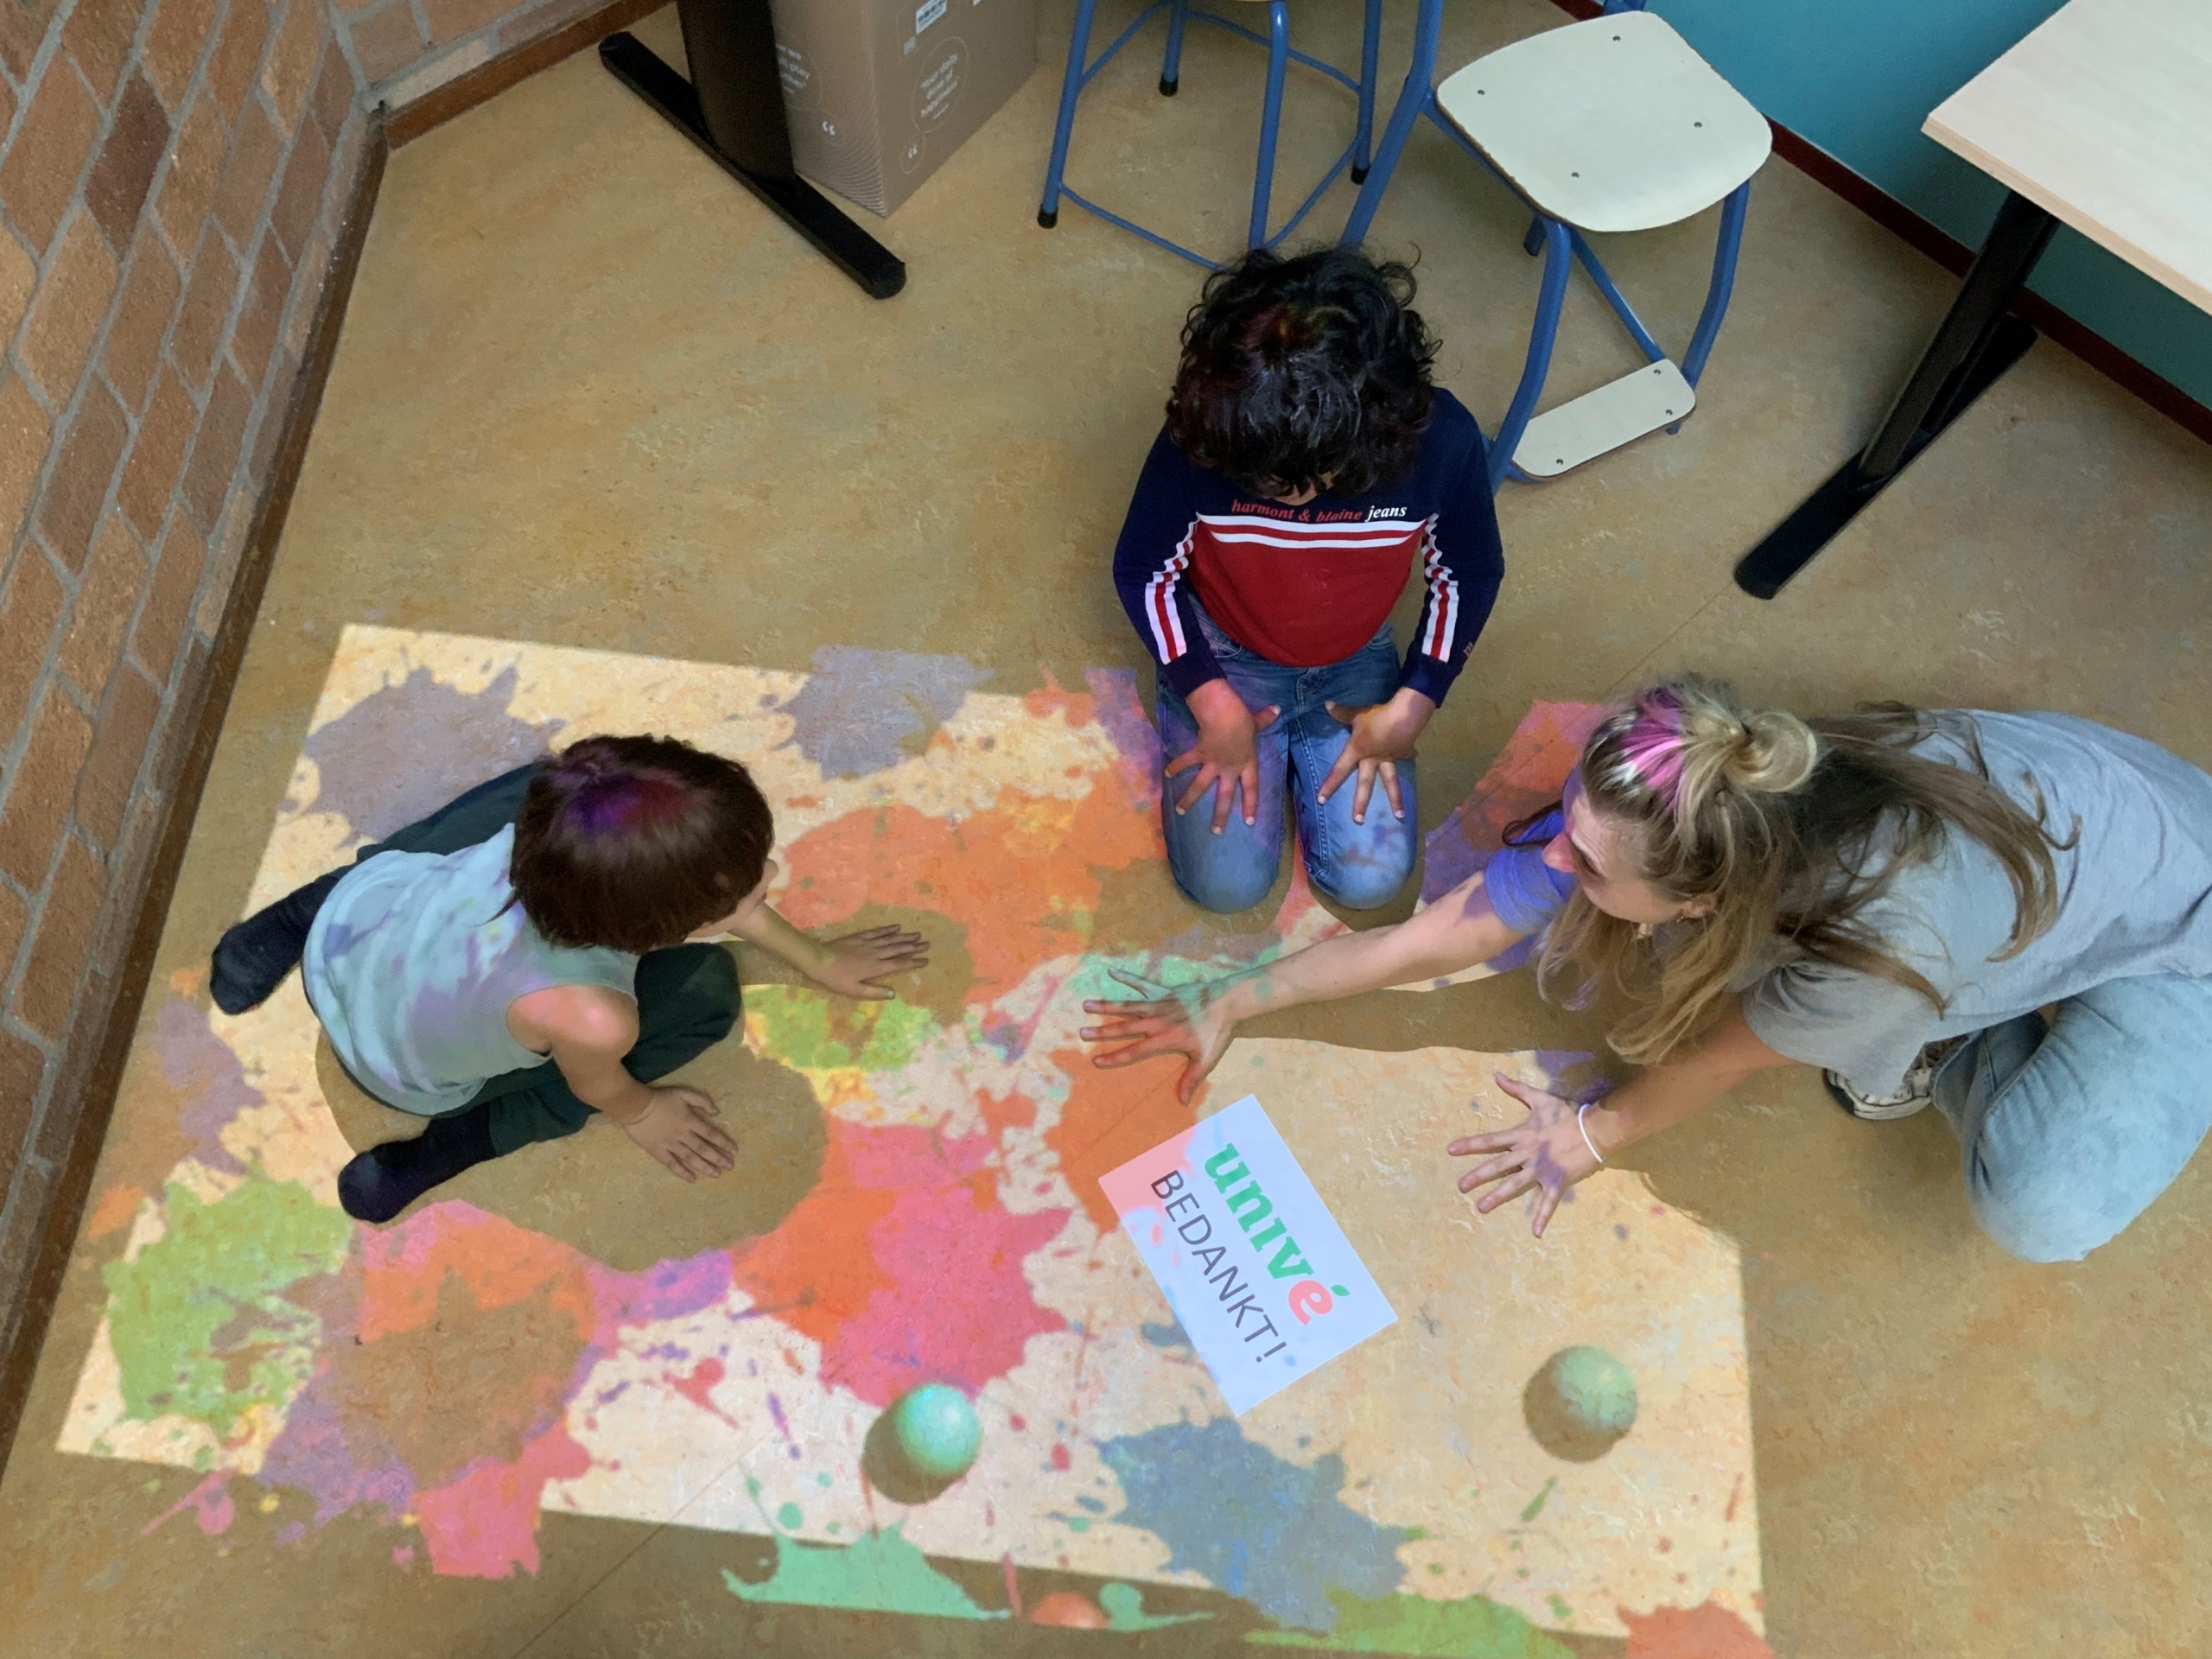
x=688, y=997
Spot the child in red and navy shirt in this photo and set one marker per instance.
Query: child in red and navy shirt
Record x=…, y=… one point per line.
x=1308, y=466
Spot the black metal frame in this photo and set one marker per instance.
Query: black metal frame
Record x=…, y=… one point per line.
x=1978, y=341
x=734, y=110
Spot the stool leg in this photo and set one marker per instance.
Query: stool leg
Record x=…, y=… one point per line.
x=1533, y=244
x=1371, y=49
x=1419, y=83
x=1048, y=213
x=1263, y=176
x=1723, y=283
x=1559, y=255
x=1171, y=67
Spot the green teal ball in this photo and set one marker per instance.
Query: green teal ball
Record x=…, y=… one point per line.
x=937, y=1431
x=1580, y=1403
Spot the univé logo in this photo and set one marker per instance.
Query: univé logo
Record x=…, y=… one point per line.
x=1252, y=1206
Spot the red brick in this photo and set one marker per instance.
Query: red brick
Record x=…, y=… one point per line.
x=215, y=450
x=119, y=750
x=26, y=431
x=451, y=19
x=7, y=104
x=205, y=318
x=92, y=449
x=30, y=615
x=256, y=148
x=236, y=64
x=195, y=166
x=151, y=288
x=23, y=1069
x=68, y=308
x=18, y=276
x=167, y=609
x=299, y=203
x=106, y=600
x=287, y=77
x=22, y=29
x=15, y=918
x=135, y=143
x=48, y=994
x=334, y=92
x=156, y=458
x=39, y=794
x=174, y=45
x=98, y=35
x=49, y=154
x=387, y=41
x=255, y=337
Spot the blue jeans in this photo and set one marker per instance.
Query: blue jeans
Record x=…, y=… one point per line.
x=2068, y=1131
x=1360, y=865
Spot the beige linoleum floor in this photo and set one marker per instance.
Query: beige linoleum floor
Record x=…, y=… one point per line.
x=591, y=395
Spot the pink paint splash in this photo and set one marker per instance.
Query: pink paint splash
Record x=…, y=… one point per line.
x=485, y=1524
x=211, y=1499
x=698, y=1387
x=902, y=1264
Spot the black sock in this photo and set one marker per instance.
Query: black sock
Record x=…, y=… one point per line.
x=252, y=958
x=379, y=1184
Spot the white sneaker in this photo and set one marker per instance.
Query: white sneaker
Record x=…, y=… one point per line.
x=1918, y=1092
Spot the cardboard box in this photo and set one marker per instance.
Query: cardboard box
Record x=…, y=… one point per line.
x=879, y=92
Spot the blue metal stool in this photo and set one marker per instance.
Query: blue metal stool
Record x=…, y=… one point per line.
x=1611, y=125
x=1281, y=54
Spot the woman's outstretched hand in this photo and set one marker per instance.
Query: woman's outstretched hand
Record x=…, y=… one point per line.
x=1185, y=1020
x=1544, y=1153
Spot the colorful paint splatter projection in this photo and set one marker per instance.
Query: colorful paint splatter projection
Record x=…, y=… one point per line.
x=458, y=1374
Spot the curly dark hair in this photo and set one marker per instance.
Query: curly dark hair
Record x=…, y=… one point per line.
x=1306, y=373
x=634, y=842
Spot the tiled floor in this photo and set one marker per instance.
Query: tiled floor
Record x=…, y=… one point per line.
x=591, y=399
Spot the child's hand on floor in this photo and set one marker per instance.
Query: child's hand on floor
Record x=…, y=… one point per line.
x=675, y=1129
x=857, y=964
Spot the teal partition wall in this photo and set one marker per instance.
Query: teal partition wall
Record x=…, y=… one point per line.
x=1857, y=77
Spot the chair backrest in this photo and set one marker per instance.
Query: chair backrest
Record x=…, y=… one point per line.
x=1612, y=6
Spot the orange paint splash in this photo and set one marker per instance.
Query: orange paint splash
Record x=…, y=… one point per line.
x=1110, y=1115
x=1710, y=1631
x=1023, y=877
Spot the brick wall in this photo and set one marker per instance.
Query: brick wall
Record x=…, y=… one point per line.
x=173, y=176
x=406, y=48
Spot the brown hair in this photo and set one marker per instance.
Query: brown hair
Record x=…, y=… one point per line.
x=1791, y=828
x=634, y=842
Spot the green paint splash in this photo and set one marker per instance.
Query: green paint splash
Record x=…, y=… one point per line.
x=1123, y=1606
x=198, y=1319
x=1474, y=1627
x=1537, y=1504
x=806, y=1031
x=880, y=1572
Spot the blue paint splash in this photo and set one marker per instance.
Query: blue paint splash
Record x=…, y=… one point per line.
x=402, y=752
x=864, y=711
x=1271, y=1532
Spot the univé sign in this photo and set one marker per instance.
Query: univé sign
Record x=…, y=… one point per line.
x=1261, y=1277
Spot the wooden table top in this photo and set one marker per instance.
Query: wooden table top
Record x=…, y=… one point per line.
x=2103, y=117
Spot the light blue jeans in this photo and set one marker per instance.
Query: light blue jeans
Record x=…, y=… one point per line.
x=2068, y=1131
x=1360, y=865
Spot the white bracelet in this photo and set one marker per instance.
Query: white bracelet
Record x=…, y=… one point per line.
x=1584, y=1127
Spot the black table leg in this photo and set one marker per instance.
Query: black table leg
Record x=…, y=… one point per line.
x=734, y=112
x=1978, y=341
